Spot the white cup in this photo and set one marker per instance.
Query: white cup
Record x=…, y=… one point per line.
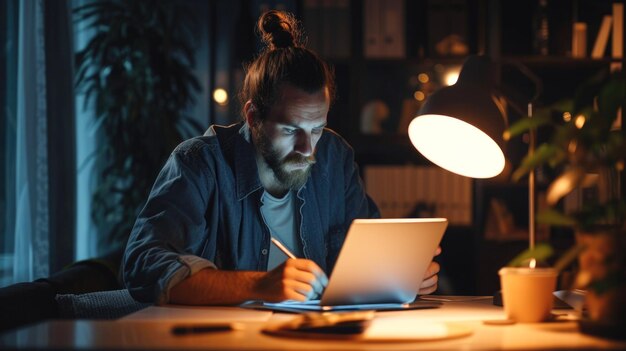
x=527, y=293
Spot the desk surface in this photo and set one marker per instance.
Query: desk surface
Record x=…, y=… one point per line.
x=151, y=329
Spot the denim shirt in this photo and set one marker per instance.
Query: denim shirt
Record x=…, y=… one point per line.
x=204, y=212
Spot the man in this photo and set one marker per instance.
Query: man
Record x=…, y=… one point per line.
x=204, y=234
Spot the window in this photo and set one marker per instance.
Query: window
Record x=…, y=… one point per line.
x=8, y=87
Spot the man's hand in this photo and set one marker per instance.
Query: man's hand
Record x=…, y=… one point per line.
x=295, y=279
x=429, y=284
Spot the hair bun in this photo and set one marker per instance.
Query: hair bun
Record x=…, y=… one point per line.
x=279, y=29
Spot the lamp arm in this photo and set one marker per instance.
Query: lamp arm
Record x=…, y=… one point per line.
x=532, y=136
x=531, y=143
x=524, y=70
x=527, y=73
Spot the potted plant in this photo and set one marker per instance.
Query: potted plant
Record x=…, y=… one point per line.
x=137, y=68
x=587, y=152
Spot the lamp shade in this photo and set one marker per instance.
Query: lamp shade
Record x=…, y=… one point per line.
x=460, y=127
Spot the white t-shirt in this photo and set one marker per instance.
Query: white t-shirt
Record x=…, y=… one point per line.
x=280, y=217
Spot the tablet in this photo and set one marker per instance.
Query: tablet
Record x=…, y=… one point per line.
x=383, y=261
x=380, y=266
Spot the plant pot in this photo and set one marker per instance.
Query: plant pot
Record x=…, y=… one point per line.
x=603, y=274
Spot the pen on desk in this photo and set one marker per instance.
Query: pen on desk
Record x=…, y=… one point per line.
x=283, y=248
x=202, y=328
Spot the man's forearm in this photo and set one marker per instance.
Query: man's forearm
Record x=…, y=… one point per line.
x=216, y=287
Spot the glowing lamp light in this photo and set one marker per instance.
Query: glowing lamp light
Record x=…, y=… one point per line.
x=460, y=127
x=456, y=146
x=451, y=77
x=220, y=96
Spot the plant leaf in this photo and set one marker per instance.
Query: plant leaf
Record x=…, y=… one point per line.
x=564, y=184
x=541, y=118
x=556, y=218
x=541, y=252
x=543, y=154
x=568, y=257
x=138, y=68
x=565, y=105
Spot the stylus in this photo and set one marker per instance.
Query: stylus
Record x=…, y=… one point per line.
x=202, y=328
x=283, y=248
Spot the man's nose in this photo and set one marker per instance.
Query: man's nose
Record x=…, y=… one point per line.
x=304, y=144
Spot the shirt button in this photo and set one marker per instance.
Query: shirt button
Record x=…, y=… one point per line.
x=264, y=251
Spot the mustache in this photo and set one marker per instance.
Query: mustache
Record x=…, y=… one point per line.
x=299, y=159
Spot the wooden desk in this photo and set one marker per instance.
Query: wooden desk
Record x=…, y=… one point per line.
x=151, y=329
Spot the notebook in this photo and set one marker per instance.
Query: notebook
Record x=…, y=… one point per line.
x=380, y=266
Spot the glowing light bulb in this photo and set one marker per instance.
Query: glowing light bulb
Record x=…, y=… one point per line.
x=451, y=77
x=567, y=116
x=419, y=95
x=220, y=96
x=580, y=121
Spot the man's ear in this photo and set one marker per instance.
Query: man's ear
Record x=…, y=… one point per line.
x=250, y=113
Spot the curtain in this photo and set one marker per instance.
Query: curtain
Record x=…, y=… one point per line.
x=8, y=101
x=31, y=254
x=38, y=159
x=87, y=235
x=61, y=126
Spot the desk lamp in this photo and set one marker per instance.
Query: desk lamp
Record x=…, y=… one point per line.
x=460, y=127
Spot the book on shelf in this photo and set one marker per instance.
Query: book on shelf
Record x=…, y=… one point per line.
x=618, y=30
x=447, y=28
x=602, y=39
x=617, y=36
x=611, y=25
x=371, y=27
x=327, y=27
x=579, y=40
x=313, y=18
x=383, y=29
x=420, y=191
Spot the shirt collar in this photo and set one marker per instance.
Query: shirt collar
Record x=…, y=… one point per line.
x=246, y=171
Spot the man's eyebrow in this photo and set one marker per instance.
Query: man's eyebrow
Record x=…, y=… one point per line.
x=291, y=125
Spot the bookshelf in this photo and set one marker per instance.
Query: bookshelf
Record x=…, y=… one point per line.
x=500, y=28
x=338, y=31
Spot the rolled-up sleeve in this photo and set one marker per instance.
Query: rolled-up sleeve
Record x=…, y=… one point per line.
x=159, y=253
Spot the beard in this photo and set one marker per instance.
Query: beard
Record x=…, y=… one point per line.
x=289, y=179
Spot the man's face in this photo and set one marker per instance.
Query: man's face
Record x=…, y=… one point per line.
x=287, y=137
